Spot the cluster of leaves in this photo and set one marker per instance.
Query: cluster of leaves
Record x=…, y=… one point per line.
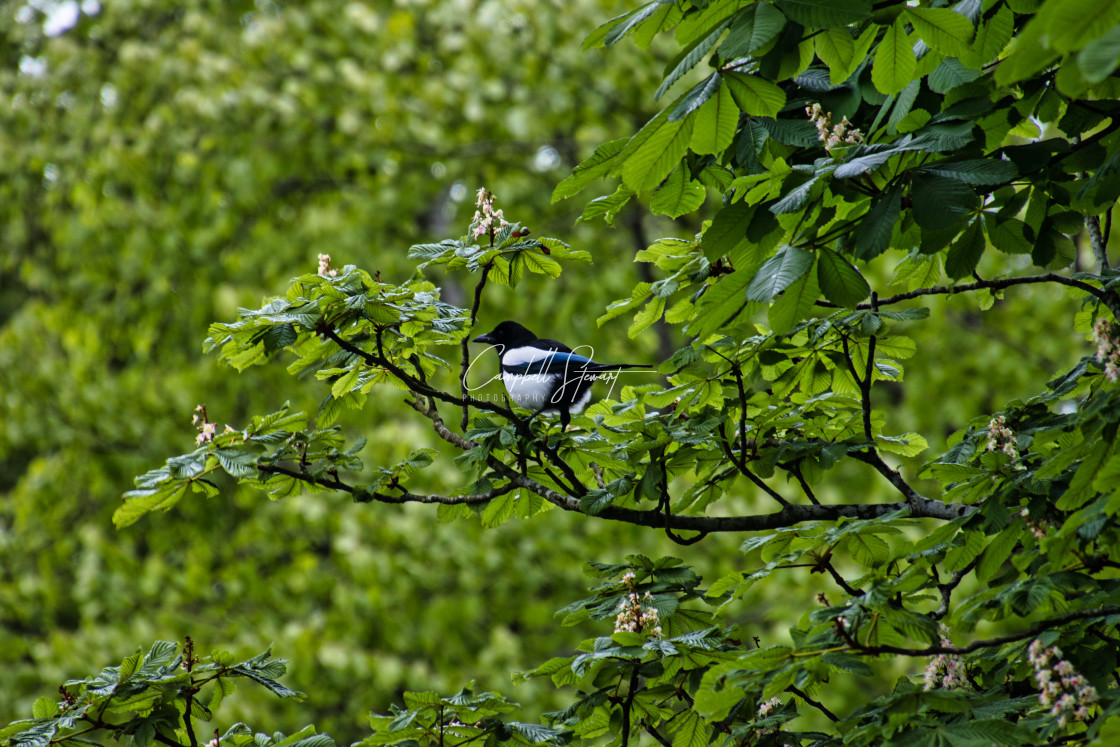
x=463, y=718
x=737, y=409
x=929, y=140
x=166, y=164
x=694, y=683
x=836, y=132
x=156, y=697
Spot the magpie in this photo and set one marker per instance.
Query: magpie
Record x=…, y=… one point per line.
x=545, y=375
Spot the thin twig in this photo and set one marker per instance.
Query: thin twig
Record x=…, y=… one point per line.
x=815, y=703
x=464, y=344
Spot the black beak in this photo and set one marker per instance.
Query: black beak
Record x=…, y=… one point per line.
x=486, y=339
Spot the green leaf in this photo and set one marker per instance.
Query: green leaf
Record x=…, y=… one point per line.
x=940, y=203
x=716, y=121
x=755, y=96
x=128, y=667
x=1008, y=236
x=908, y=445
x=976, y=171
x=140, y=502
x=942, y=29
x=44, y=707
x=988, y=731
x=1100, y=57
x=873, y=235
x=688, y=59
x=840, y=282
x=540, y=263
x=678, y=195
x=696, y=97
x=867, y=549
x=649, y=314
x=823, y=14
x=665, y=17
x=346, y=382
x=617, y=28
x=602, y=163
x=606, y=206
x=796, y=199
x=778, y=272
x=1070, y=24
x=754, y=27
x=950, y=74
x=1059, y=27
x=895, y=62
x=653, y=153
x=997, y=552
x=864, y=164
x=691, y=730
x=795, y=303
x=964, y=253
x=837, y=49
x=727, y=230
x=991, y=37
x=498, y=510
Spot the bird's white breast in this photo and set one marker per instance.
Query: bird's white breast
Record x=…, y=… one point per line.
x=531, y=391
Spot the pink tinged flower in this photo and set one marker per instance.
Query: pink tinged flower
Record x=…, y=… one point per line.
x=205, y=433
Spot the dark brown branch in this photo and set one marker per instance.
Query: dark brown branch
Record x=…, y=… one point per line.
x=745, y=471
x=788, y=516
x=796, y=470
x=840, y=580
x=914, y=500
x=366, y=496
x=414, y=383
x=660, y=739
x=1031, y=632
x=997, y=284
x=815, y=703
x=948, y=587
x=188, y=718
x=868, y=377
x=627, y=704
x=1097, y=241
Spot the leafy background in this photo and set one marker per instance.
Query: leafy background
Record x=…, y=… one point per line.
x=164, y=167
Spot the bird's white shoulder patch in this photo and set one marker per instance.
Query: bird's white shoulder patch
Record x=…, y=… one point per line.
x=520, y=356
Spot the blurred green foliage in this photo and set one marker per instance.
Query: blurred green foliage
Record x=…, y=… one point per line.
x=164, y=167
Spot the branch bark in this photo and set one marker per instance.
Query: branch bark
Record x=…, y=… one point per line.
x=997, y=284
x=1031, y=632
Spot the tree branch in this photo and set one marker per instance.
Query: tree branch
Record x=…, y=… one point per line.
x=815, y=703
x=840, y=580
x=997, y=284
x=367, y=496
x=1031, y=632
x=1097, y=241
x=789, y=515
x=917, y=502
x=947, y=588
x=745, y=471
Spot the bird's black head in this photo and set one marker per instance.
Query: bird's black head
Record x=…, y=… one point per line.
x=509, y=334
